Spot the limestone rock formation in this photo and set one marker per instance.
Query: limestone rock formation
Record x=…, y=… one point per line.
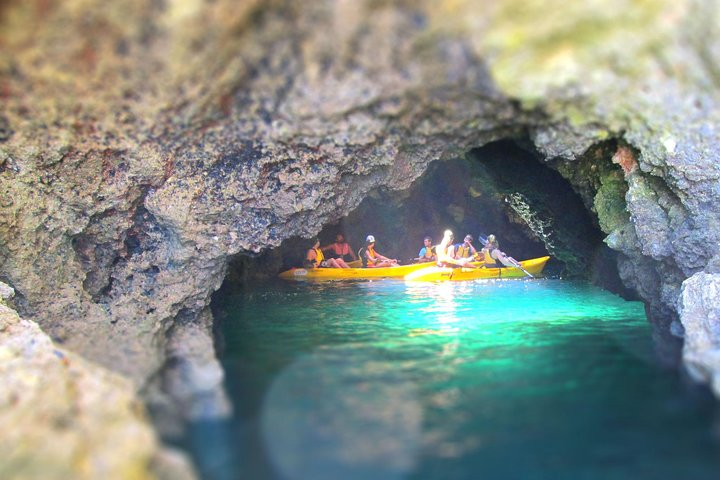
x=63, y=417
x=144, y=143
x=700, y=314
x=192, y=377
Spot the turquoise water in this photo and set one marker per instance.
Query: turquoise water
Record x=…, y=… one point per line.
x=540, y=379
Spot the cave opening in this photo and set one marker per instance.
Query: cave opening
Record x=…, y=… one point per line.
x=504, y=188
x=313, y=337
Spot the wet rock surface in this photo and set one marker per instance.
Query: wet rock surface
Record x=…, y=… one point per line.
x=160, y=139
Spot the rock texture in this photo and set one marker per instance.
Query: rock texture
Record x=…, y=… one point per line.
x=700, y=315
x=144, y=143
x=149, y=148
x=63, y=417
x=192, y=377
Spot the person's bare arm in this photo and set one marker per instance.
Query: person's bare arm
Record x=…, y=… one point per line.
x=498, y=255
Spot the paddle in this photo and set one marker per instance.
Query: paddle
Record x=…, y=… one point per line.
x=512, y=261
x=416, y=260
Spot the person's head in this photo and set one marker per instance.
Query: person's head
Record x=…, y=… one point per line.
x=340, y=238
x=468, y=239
x=370, y=240
x=491, y=240
x=315, y=242
x=427, y=241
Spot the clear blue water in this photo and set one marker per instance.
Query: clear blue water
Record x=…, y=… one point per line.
x=540, y=379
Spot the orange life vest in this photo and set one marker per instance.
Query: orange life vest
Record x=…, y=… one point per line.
x=341, y=248
x=372, y=258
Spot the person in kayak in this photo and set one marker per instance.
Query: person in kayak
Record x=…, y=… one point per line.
x=315, y=258
x=341, y=249
x=446, y=253
x=466, y=249
x=492, y=256
x=427, y=252
x=374, y=259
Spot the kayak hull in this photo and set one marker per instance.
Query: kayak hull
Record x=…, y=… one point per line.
x=351, y=273
x=443, y=274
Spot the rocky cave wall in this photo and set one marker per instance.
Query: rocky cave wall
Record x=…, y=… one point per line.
x=143, y=143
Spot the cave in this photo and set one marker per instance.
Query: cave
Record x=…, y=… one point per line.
x=504, y=188
x=154, y=152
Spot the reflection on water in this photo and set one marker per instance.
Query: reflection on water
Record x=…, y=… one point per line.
x=362, y=417
x=493, y=379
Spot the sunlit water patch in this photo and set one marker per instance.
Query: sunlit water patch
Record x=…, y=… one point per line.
x=496, y=379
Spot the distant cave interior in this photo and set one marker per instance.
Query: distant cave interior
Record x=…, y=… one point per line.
x=502, y=188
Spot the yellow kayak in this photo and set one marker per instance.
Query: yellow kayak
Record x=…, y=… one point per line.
x=345, y=273
x=441, y=274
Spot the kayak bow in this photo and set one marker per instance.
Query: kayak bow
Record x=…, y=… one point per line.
x=441, y=274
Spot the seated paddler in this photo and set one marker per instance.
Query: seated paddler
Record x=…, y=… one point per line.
x=374, y=259
x=315, y=258
x=466, y=249
x=492, y=256
x=340, y=249
x=445, y=252
x=427, y=252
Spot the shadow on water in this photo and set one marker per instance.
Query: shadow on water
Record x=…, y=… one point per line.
x=501, y=379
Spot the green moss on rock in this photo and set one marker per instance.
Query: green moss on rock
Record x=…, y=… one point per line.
x=609, y=203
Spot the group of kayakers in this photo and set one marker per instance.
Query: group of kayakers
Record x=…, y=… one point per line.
x=341, y=254
x=449, y=254
x=446, y=253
